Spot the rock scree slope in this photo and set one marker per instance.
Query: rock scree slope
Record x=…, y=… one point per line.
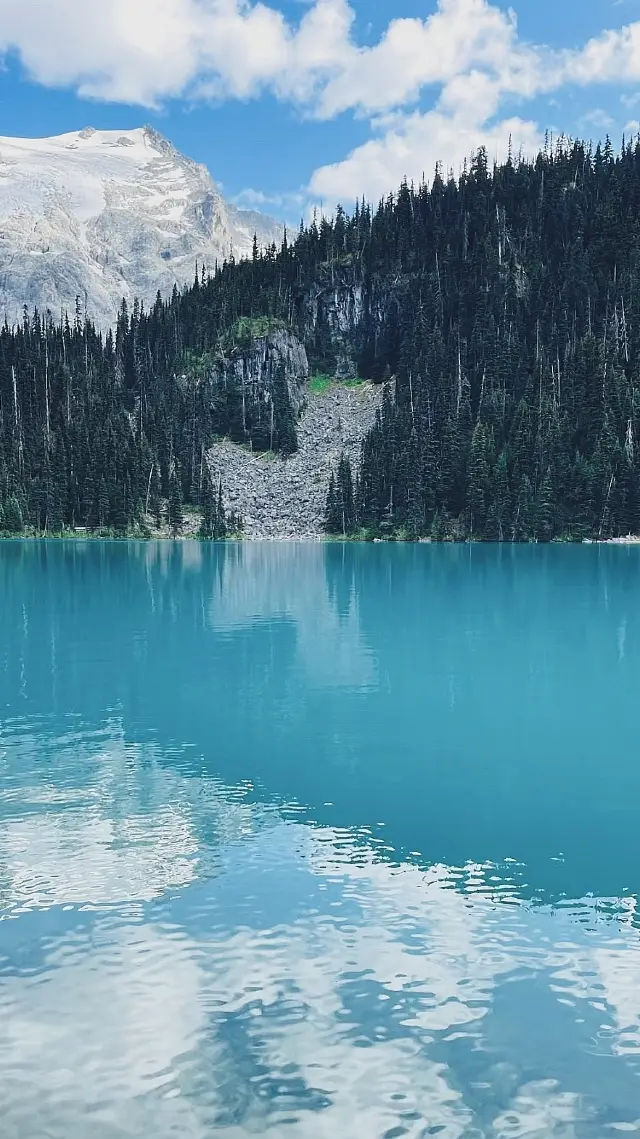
x=285, y=497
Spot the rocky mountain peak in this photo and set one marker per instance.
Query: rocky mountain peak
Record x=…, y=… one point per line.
x=103, y=215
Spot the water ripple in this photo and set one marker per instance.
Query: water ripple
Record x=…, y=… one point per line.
x=306, y=983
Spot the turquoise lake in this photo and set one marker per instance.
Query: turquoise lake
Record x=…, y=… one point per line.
x=319, y=841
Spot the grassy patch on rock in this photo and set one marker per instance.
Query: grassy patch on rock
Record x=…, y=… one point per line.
x=246, y=329
x=320, y=383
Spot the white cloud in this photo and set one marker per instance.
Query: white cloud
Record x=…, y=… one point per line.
x=145, y=51
x=250, y=199
x=119, y=840
x=412, y=145
x=613, y=56
x=461, y=38
x=468, y=51
x=597, y=118
x=135, y=53
x=105, y=863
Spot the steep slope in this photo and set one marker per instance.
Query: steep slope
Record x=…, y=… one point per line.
x=105, y=214
x=285, y=498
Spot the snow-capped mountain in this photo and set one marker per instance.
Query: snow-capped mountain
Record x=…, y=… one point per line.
x=104, y=214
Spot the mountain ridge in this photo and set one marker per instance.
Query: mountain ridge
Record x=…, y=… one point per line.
x=103, y=215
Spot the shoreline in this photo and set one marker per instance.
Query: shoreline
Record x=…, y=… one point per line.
x=329, y=539
x=630, y=540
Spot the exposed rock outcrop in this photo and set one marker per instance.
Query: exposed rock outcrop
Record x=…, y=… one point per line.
x=254, y=366
x=334, y=314
x=285, y=497
x=350, y=326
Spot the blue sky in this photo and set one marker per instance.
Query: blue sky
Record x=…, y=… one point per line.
x=290, y=102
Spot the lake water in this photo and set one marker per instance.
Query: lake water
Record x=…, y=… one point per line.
x=328, y=842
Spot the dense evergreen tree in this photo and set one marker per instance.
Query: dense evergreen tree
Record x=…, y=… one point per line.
x=285, y=439
x=340, y=512
x=176, y=517
x=214, y=521
x=516, y=363
x=332, y=514
x=220, y=528
x=344, y=496
x=13, y=520
x=209, y=509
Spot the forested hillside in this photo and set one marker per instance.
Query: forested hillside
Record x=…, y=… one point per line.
x=505, y=303
x=516, y=344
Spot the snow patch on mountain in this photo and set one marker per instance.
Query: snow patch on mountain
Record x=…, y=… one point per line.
x=103, y=215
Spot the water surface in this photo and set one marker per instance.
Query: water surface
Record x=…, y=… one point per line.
x=328, y=842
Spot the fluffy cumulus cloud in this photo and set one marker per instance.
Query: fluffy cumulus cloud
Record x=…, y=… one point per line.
x=467, y=54
x=613, y=56
x=460, y=37
x=145, y=51
x=411, y=146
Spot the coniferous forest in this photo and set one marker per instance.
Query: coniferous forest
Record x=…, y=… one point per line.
x=501, y=307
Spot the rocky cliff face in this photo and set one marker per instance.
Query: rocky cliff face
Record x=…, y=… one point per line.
x=104, y=214
x=253, y=367
x=332, y=319
x=347, y=324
